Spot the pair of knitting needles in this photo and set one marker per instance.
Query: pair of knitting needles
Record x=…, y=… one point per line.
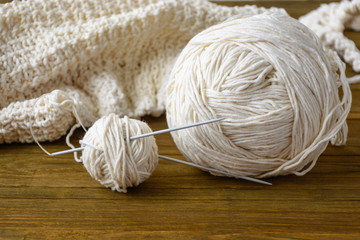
x=176, y=160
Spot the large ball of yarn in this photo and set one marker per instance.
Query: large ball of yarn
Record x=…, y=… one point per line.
x=112, y=158
x=274, y=84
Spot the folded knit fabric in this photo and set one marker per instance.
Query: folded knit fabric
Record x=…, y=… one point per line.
x=93, y=58
x=329, y=22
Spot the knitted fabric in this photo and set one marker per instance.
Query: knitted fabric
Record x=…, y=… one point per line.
x=329, y=22
x=93, y=58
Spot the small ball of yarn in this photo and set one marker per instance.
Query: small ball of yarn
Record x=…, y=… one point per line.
x=274, y=84
x=112, y=158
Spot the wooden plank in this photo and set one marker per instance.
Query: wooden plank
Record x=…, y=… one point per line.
x=44, y=197
x=295, y=8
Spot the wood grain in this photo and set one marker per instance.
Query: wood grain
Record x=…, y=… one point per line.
x=45, y=197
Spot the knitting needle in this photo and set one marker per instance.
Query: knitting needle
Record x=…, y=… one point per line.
x=215, y=170
x=146, y=135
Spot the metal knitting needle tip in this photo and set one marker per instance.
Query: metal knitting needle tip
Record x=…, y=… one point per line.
x=215, y=170
x=67, y=151
x=146, y=134
x=177, y=128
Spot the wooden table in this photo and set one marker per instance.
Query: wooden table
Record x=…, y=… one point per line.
x=55, y=198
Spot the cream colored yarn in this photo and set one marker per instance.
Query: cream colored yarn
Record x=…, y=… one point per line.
x=115, y=161
x=276, y=87
x=108, y=56
x=329, y=22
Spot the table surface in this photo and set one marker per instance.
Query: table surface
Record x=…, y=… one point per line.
x=54, y=197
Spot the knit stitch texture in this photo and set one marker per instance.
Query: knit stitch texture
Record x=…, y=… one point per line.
x=329, y=22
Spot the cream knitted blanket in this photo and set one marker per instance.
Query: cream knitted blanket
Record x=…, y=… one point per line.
x=97, y=57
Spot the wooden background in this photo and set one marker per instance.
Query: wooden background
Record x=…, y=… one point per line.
x=45, y=197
